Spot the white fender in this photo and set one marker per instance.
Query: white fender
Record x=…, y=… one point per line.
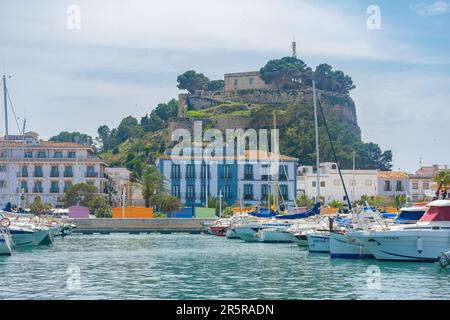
x=419, y=245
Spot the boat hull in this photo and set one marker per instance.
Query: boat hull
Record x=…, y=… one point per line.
x=406, y=245
x=248, y=234
x=5, y=245
x=24, y=237
x=300, y=239
x=219, y=231
x=319, y=243
x=274, y=236
x=344, y=247
x=231, y=234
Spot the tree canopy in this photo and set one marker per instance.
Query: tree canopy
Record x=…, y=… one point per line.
x=192, y=81
x=286, y=73
x=75, y=137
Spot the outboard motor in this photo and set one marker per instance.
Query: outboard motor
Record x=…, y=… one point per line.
x=444, y=259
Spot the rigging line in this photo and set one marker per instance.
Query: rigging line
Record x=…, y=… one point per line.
x=334, y=154
x=14, y=112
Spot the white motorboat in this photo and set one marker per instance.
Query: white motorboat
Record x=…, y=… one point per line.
x=423, y=241
x=32, y=236
x=249, y=232
x=278, y=234
x=344, y=247
x=319, y=242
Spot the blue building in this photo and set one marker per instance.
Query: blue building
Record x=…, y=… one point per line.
x=191, y=178
x=393, y=183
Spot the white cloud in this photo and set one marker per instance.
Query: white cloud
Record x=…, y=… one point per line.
x=431, y=9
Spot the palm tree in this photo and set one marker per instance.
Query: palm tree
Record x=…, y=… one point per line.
x=150, y=181
x=305, y=201
x=398, y=201
x=336, y=204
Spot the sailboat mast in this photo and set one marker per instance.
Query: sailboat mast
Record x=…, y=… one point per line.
x=275, y=147
x=316, y=124
x=5, y=103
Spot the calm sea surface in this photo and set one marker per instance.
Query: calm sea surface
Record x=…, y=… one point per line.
x=205, y=267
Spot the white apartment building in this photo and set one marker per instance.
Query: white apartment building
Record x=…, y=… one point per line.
x=358, y=182
x=31, y=167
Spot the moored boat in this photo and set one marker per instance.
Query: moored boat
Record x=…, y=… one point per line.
x=319, y=242
x=423, y=241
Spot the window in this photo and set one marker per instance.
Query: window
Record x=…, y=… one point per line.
x=190, y=171
x=28, y=154
x=90, y=172
x=426, y=186
x=387, y=185
x=236, y=82
x=203, y=192
x=38, y=187
x=283, y=169
x=226, y=171
x=203, y=171
x=2, y=168
x=264, y=191
x=336, y=182
x=250, y=81
x=322, y=184
x=72, y=155
x=24, y=172
x=248, y=172
x=54, y=187
x=314, y=184
x=415, y=185
x=399, y=186
x=3, y=154
x=369, y=183
x=2, y=184
x=38, y=171
x=284, y=192
x=227, y=192
x=68, y=172
x=248, y=192
x=23, y=187
x=190, y=192
x=67, y=185
x=176, y=190
x=42, y=154
x=58, y=154
x=175, y=171
x=54, y=172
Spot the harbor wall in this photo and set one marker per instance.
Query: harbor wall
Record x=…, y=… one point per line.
x=90, y=226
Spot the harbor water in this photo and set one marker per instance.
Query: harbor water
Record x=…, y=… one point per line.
x=182, y=266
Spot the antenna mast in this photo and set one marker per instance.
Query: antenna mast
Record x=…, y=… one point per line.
x=294, y=49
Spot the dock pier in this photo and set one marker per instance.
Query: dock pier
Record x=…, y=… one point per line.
x=139, y=226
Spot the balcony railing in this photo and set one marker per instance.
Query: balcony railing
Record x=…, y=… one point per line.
x=55, y=190
x=37, y=190
x=68, y=174
x=249, y=177
x=22, y=174
x=38, y=175
x=54, y=174
x=91, y=175
x=249, y=197
x=227, y=176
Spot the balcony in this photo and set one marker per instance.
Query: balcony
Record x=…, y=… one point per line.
x=175, y=175
x=54, y=174
x=22, y=174
x=249, y=197
x=227, y=176
x=283, y=177
x=54, y=190
x=190, y=175
x=37, y=190
x=91, y=175
x=249, y=176
x=68, y=174
x=38, y=175
x=266, y=177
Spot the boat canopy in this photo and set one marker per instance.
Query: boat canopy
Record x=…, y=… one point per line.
x=439, y=210
x=310, y=213
x=408, y=215
x=263, y=213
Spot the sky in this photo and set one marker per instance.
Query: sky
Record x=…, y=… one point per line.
x=122, y=58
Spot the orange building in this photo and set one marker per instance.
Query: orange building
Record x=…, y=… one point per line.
x=132, y=213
